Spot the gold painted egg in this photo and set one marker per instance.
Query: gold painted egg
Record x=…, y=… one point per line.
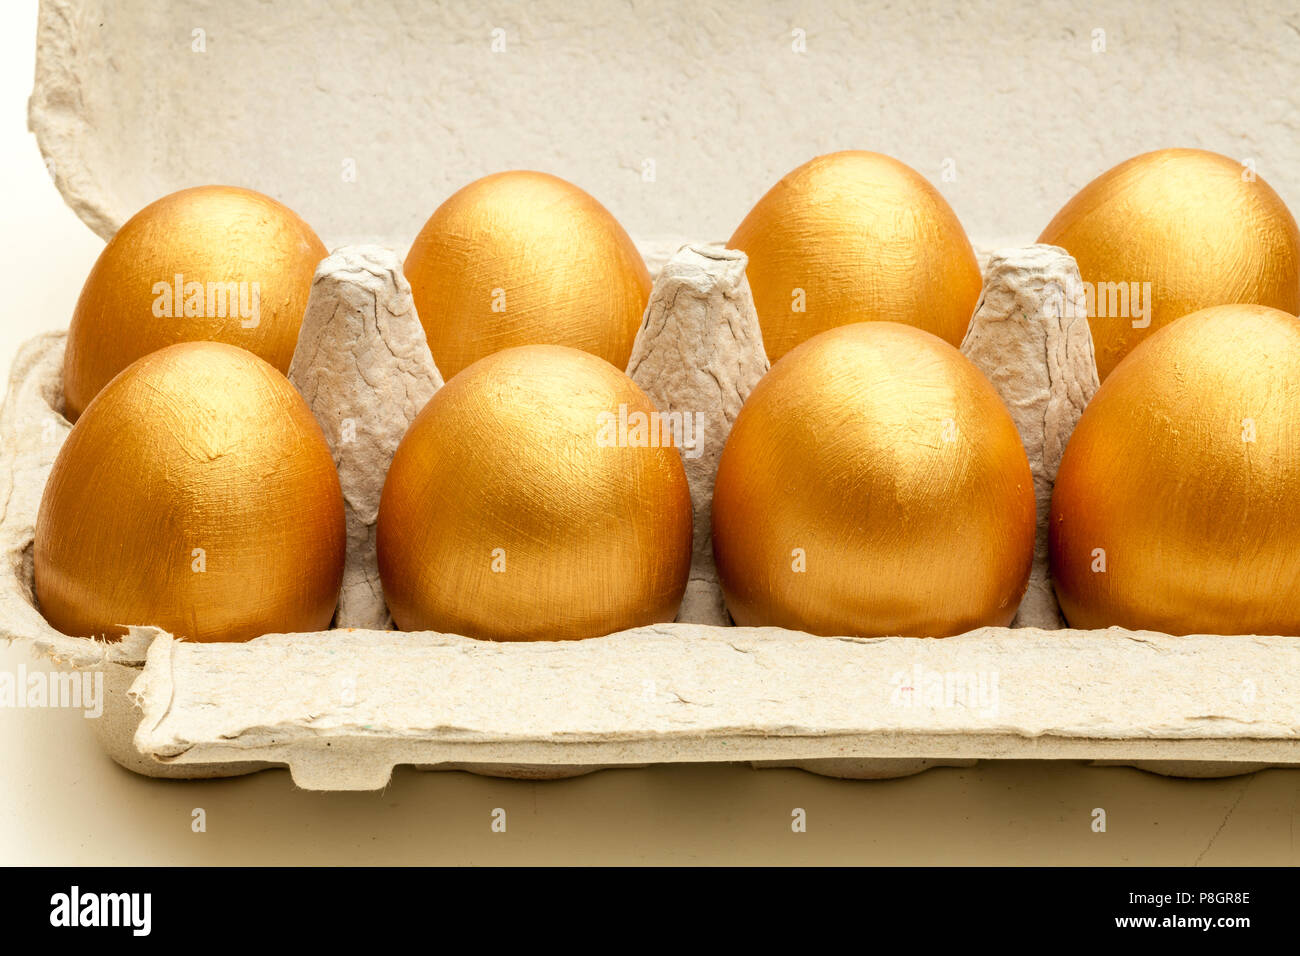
x=212, y=263
x=856, y=237
x=525, y=258
x=874, y=484
x=535, y=499
x=1171, y=232
x=1177, y=502
x=196, y=493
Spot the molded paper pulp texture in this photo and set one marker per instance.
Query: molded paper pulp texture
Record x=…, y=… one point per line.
x=1030, y=337
x=700, y=353
x=686, y=692
x=363, y=365
x=677, y=115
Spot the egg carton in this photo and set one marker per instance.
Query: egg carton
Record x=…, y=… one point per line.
x=341, y=708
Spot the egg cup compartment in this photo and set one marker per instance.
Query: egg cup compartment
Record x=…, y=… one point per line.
x=341, y=708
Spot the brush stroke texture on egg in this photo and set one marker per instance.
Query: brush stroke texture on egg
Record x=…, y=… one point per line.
x=196, y=493
x=525, y=258
x=856, y=237
x=1177, y=503
x=1170, y=232
x=873, y=485
x=212, y=263
x=518, y=509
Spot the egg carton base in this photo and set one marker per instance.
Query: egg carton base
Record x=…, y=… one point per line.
x=342, y=708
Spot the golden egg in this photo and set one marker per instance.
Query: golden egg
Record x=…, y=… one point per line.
x=1177, y=503
x=874, y=484
x=197, y=494
x=537, y=497
x=525, y=258
x=213, y=263
x=856, y=237
x=1170, y=232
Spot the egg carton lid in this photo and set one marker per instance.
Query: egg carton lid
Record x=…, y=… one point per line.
x=677, y=115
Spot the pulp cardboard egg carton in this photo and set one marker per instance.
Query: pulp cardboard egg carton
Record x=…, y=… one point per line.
x=515, y=88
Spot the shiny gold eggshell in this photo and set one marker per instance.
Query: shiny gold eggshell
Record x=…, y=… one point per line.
x=856, y=237
x=874, y=484
x=196, y=493
x=215, y=237
x=525, y=258
x=507, y=516
x=1177, y=502
x=1199, y=227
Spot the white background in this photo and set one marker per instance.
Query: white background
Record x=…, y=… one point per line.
x=64, y=802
